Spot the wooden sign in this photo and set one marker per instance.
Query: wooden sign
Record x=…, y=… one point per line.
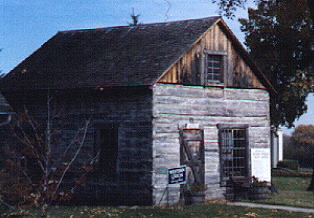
x=177, y=175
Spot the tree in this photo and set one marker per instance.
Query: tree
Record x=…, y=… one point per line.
x=279, y=38
x=299, y=146
x=43, y=168
x=228, y=7
x=303, y=141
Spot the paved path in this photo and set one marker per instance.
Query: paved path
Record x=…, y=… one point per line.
x=274, y=207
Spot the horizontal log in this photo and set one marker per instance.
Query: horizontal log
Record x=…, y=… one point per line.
x=260, y=145
x=247, y=94
x=259, y=135
x=165, y=128
x=185, y=100
x=214, y=178
x=166, y=148
x=179, y=119
x=247, y=108
x=170, y=161
x=210, y=133
x=166, y=140
x=215, y=109
x=187, y=91
x=231, y=109
x=212, y=165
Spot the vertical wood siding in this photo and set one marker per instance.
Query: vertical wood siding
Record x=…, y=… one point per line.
x=190, y=67
x=174, y=106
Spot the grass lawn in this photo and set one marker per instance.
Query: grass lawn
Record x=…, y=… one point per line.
x=292, y=192
x=205, y=210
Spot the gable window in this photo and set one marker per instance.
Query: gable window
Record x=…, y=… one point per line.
x=233, y=153
x=214, y=67
x=106, y=147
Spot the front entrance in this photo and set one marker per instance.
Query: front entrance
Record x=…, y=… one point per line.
x=192, y=156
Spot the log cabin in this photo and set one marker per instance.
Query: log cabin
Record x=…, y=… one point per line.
x=161, y=96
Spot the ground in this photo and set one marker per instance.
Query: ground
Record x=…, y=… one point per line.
x=205, y=210
x=292, y=192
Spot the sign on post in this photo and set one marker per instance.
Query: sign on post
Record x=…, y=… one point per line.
x=177, y=175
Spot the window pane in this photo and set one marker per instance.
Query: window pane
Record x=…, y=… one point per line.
x=214, y=68
x=233, y=146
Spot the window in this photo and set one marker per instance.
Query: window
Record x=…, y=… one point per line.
x=107, y=148
x=233, y=153
x=214, y=67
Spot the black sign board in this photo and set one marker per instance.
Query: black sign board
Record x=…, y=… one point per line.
x=177, y=175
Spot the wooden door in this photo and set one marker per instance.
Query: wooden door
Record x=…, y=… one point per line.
x=192, y=155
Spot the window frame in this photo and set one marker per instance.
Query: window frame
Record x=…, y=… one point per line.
x=223, y=55
x=245, y=128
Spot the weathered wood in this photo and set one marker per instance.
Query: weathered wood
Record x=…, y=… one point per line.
x=191, y=66
x=216, y=108
x=207, y=121
x=257, y=135
x=131, y=109
x=176, y=106
x=194, y=91
x=243, y=94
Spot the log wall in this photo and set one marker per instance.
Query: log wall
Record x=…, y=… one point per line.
x=175, y=106
x=130, y=110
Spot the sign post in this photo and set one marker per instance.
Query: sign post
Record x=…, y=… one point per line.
x=176, y=176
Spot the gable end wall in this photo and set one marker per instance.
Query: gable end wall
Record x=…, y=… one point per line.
x=190, y=67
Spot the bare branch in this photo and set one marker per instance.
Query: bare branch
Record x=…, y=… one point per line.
x=27, y=176
x=71, y=162
x=6, y=204
x=71, y=143
x=168, y=9
x=26, y=141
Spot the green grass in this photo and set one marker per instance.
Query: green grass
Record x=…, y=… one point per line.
x=205, y=210
x=292, y=192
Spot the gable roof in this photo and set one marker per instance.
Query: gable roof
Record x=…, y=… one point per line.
x=106, y=57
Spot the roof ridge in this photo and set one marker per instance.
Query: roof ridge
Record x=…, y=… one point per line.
x=140, y=25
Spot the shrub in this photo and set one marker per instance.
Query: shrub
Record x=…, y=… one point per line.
x=290, y=164
x=290, y=173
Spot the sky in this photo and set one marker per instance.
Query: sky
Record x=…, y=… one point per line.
x=27, y=24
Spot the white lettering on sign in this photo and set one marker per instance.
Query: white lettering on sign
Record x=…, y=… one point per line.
x=260, y=164
x=177, y=175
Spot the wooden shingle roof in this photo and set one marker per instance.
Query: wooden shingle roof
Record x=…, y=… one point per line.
x=113, y=56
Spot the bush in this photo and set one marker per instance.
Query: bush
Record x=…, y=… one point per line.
x=290, y=173
x=290, y=164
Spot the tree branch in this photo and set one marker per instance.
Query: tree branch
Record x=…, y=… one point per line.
x=71, y=162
